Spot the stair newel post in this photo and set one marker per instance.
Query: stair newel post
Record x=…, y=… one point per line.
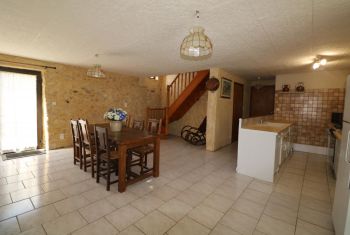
x=166, y=120
x=168, y=96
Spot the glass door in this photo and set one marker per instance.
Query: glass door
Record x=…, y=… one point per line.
x=18, y=111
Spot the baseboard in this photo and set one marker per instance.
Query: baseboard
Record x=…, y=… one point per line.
x=310, y=149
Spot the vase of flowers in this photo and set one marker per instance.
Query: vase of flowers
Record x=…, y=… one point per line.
x=116, y=116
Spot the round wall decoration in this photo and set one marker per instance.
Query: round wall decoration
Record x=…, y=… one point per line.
x=212, y=84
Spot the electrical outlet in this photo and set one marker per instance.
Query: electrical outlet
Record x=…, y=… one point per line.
x=53, y=103
x=62, y=136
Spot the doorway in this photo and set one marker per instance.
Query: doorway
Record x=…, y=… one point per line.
x=21, y=126
x=262, y=100
x=238, y=91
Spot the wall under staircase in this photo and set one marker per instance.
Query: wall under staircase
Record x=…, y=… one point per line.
x=184, y=91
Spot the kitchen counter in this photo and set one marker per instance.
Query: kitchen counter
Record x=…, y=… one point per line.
x=270, y=126
x=337, y=132
x=272, y=141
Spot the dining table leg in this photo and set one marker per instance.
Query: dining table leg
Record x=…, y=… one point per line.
x=122, y=168
x=156, y=157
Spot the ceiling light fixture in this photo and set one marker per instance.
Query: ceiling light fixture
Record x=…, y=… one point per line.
x=95, y=71
x=323, y=61
x=196, y=45
x=154, y=78
x=318, y=63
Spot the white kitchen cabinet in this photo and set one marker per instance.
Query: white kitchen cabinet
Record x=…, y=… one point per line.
x=261, y=153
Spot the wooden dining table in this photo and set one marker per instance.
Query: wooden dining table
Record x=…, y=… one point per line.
x=129, y=138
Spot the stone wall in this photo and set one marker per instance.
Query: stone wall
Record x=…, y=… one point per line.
x=69, y=93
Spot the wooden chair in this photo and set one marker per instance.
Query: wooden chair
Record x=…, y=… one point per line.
x=138, y=124
x=127, y=121
x=88, y=149
x=77, y=152
x=195, y=136
x=107, y=160
x=153, y=127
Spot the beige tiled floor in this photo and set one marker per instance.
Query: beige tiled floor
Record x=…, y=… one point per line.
x=198, y=192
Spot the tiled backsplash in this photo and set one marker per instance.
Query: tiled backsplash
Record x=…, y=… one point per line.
x=311, y=111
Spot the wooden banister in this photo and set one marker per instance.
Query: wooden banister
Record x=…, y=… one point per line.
x=195, y=79
x=182, y=93
x=159, y=113
x=178, y=85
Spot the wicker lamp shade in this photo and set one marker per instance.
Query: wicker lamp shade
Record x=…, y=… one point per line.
x=96, y=72
x=196, y=45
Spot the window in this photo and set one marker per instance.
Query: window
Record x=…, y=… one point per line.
x=19, y=109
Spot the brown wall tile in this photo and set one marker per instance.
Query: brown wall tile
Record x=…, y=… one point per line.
x=311, y=111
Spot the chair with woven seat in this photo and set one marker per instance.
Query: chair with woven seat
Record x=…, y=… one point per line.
x=107, y=160
x=77, y=154
x=141, y=152
x=88, y=149
x=138, y=124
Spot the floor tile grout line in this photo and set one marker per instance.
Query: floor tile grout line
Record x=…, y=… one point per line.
x=210, y=207
x=192, y=183
x=129, y=204
x=311, y=208
x=282, y=173
x=20, y=229
x=328, y=184
x=231, y=208
x=104, y=217
x=315, y=225
x=42, y=226
x=301, y=192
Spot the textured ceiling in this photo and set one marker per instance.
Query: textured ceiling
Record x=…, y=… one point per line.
x=142, y=37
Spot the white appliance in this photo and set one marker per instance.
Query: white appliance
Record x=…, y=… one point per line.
x=341, y=205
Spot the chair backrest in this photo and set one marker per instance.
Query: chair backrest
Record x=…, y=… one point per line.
x=128, y=121
x=138, y=124
x=75, y=132
x=154, y=126
x=101, y=140
x=84, y=132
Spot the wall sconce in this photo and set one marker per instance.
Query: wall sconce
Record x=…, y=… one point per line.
x=154, y=78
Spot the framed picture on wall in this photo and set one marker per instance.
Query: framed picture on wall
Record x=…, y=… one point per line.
x=226, y=88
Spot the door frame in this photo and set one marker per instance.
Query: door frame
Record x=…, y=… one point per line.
x=233, y=108
x=39, y=99
x=250, y=99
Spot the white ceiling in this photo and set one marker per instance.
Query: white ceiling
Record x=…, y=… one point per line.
x=142, y=37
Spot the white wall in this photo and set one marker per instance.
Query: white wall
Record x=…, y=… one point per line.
x=318, y=79
x=170, y=78
x=219, y=112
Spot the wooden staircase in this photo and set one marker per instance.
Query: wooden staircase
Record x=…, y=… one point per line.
x=182, y=93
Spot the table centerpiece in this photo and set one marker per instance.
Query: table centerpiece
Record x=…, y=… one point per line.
x=116, y=116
